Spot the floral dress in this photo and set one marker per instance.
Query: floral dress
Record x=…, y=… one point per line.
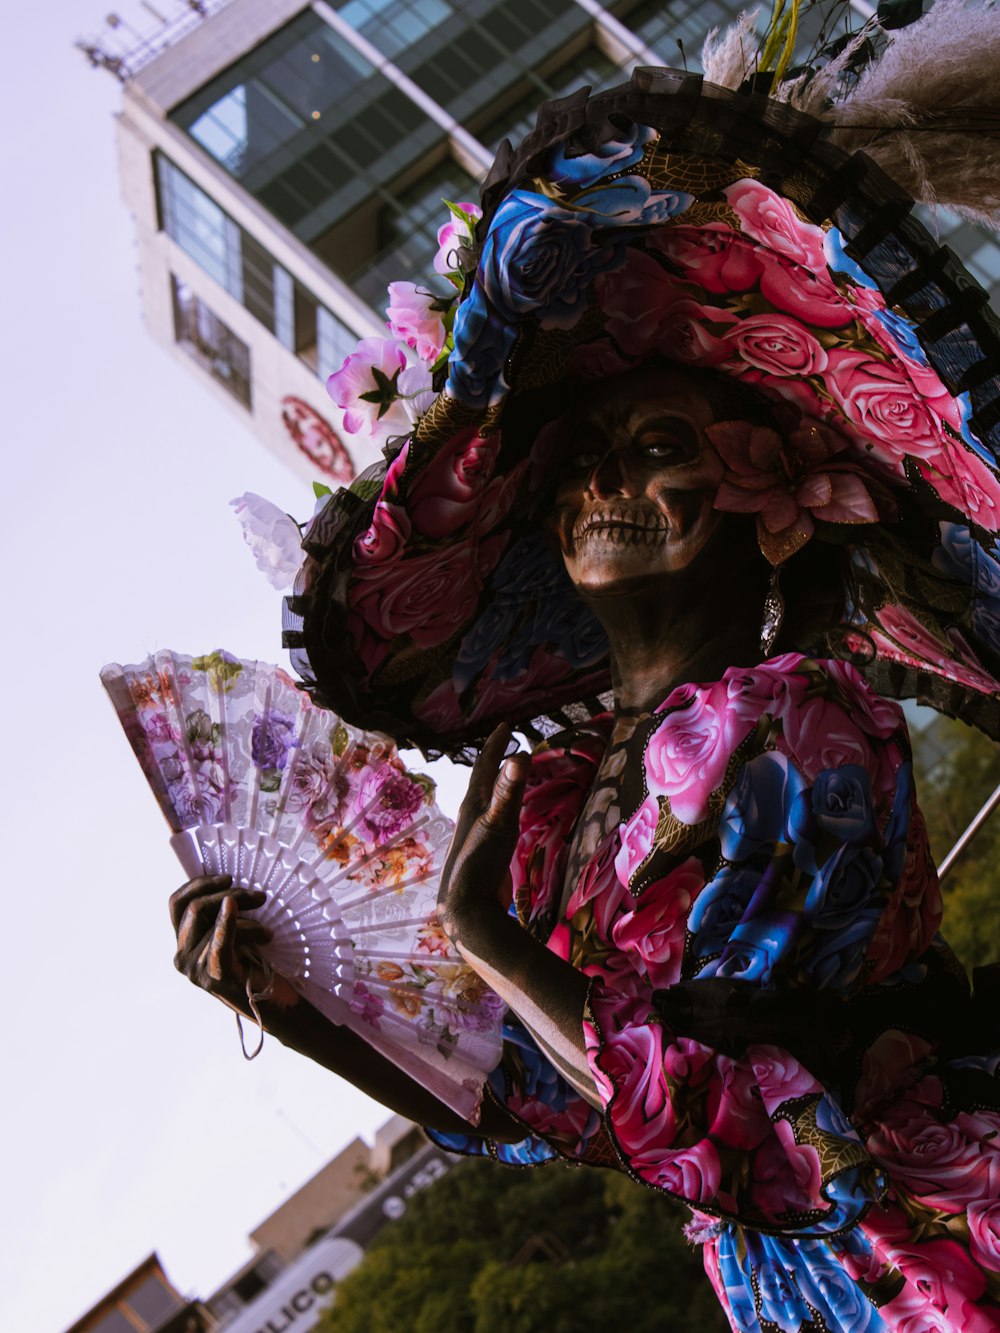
x=779, y=1036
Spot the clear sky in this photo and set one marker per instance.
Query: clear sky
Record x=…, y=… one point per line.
x=130, y=1121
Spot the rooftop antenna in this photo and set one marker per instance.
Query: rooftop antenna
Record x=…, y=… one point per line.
x=123, y=48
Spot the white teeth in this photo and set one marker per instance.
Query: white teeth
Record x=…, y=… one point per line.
x=624, y=527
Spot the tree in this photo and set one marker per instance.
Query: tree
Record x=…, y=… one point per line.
x=956, y=769
x=551, y=1250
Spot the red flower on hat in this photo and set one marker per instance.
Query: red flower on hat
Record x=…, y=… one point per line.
x=789, y=483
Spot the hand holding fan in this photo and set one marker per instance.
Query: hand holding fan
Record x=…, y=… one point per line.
x=259, y=783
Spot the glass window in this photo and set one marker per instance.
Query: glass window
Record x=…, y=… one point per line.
x=308, y=126
x=335, y=342
x=406, y=229
x=987, y=260
x=152, y=1301
x=211, y=342
x=239, y=263
x=200, y=227
x=238, y=139
x=661, y=26
x=308, y=329
x=394, y=25
x=591, y=67
x=258, y=280
x=274, y=94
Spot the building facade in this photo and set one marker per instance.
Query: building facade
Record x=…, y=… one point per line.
x=284, y=161
x=313, y=1238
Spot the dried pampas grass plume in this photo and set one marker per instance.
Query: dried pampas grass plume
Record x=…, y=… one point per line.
x=928, y=110
x=729, y=55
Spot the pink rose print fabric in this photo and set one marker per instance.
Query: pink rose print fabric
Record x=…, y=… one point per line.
x=844, y=1170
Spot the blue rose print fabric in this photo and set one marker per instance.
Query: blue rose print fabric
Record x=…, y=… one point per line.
x=837, y=1133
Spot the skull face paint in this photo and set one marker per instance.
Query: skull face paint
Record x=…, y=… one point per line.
x=636, y=489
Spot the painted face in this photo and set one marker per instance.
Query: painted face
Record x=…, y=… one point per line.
x=638, y=481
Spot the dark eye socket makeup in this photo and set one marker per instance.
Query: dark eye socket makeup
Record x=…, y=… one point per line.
x=662, y=439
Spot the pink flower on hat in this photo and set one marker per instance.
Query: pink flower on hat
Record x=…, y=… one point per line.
x=963, y=480
x=888, y=408
x=649, y=309
x=789, y=483
x=769, y=218
x=776, y=344
x=414, y=317
x=452, y=236
x=713, y=256
x=371, y=369
x=381, y=394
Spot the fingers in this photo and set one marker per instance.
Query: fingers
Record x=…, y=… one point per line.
x=508, y=789
x=200, y=915
x=195, y=888
x=222, y=963
x=210, y=887
x=211, y=933
x=484, y=771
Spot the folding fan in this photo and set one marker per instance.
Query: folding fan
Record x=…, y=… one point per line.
x=259, y=783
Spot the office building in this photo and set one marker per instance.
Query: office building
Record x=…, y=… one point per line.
x=285, y=161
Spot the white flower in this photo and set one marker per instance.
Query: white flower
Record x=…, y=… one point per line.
x=417, y=395
x=273, y=537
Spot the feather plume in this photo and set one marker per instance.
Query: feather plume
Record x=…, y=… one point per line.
x=729, y=55
x=928, y=110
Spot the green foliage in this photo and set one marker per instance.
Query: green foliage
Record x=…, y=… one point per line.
x=956, y=769
x=552, y=1250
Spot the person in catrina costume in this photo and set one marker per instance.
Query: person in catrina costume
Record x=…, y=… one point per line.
x=709, y=479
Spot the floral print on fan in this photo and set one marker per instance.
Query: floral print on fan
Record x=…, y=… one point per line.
x=236, y=746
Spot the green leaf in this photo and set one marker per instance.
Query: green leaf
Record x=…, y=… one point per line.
x=428, y=784
x=339, y=739
x=460, y=213
x=220, y=670
x=385, y=393
x=270, y=779
x=319, y=490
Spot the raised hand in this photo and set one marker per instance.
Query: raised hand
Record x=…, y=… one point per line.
x=475, y=882
x=215, y=950
x=215, y=945
x=546, y=993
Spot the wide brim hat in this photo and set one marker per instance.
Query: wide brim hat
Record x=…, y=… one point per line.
x=673, y=221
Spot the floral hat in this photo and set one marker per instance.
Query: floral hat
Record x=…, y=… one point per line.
x=712, y=228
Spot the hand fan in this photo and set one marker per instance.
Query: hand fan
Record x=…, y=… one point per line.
x=258, y=782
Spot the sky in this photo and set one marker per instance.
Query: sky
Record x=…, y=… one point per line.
x=130, y=1121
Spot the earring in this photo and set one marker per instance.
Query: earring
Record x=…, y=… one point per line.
x=774, y=612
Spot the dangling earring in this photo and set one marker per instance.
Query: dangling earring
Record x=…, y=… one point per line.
x=774, y=612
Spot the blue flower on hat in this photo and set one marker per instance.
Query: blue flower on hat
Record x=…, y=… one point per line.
x=482, y=345
x=846, y=884
x=903, y=334
x=583, y=169
x=541, y=257
x=719, y=908
x=841, y=262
